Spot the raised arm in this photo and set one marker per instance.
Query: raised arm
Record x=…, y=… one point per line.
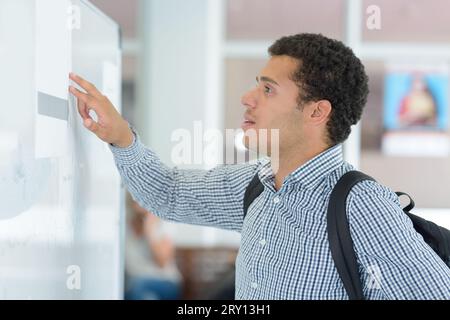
x=212, y=198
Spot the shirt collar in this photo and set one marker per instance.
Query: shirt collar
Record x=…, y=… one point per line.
x=310, y=173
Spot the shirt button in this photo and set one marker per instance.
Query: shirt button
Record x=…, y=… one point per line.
x=276, y=200
x=254, y=285
x=262, y=242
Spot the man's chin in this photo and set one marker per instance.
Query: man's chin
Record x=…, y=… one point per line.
x=260, y=141
x=250, y=139
x=256, y=147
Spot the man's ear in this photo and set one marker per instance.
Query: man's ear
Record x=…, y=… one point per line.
x=320, y=112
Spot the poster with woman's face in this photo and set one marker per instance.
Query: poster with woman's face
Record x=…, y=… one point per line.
x=416, y=110
x=416, y=99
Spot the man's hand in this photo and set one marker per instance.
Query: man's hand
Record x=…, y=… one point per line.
x=110, y=127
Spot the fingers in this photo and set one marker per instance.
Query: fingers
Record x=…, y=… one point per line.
x=80, y=95
x=91, y=125
x=85, y=101
x=86, y=85
x=82, y=109
x=95, y=128
x=92, y=99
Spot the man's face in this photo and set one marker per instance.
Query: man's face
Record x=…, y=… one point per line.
x=272, y=104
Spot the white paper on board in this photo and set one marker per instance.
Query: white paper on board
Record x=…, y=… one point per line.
x=53, y=64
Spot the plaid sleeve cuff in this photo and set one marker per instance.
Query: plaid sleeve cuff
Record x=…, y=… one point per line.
x=131, y=155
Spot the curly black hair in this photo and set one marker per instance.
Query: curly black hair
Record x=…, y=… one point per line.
x=327, y=70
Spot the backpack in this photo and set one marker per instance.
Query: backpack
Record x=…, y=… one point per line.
x=341, y=244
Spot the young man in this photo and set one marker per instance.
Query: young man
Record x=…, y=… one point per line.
x=313, y=89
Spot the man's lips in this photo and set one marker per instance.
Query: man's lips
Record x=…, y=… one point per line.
x=247, y=123
x=249, y=118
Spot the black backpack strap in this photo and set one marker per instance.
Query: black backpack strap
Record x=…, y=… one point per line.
x=254, y=189
x=411, y=204
x=339, y=237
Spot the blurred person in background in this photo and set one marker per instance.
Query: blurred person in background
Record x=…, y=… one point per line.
x=151, y=272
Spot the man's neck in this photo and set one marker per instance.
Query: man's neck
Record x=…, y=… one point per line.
x=293, y=158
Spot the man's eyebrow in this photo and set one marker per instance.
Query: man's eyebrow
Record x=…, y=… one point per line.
x=266, y=79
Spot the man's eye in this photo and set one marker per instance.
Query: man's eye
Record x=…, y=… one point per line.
x=267, y=89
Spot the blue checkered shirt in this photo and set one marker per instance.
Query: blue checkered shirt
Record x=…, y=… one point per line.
x=284, y=251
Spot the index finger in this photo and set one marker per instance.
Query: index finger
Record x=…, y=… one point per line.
x=86, y=85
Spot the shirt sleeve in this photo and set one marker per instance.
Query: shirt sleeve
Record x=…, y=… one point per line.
x=395, y=262
x=202, y=197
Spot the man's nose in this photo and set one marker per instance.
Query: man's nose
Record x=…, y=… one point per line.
x=248, y=99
